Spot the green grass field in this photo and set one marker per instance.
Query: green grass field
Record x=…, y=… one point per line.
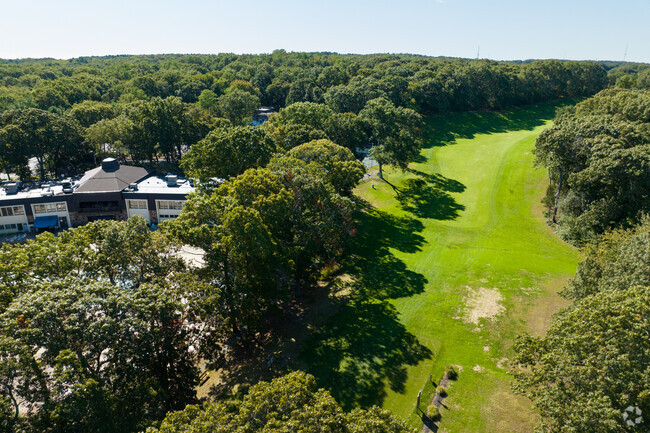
x=466, y=216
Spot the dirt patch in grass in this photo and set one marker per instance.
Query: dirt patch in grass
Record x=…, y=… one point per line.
x=482, y=303
x=508, y=412
x=537, y=310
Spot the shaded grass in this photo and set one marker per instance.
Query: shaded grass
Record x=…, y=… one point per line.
x=461, y=217
x=444, y=128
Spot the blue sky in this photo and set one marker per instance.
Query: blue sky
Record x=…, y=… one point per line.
x=509, y=29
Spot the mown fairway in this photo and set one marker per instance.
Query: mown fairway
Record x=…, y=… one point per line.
x=467, y=216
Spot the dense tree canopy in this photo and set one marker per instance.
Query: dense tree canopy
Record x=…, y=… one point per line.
x=98, y=329
x=598, y=157
x=593, y=363
x=227, y=152
x=289, y=404
x=148, y=108
x=265, y=232
x=614, y=261
x=341, y=169
x=54, y=140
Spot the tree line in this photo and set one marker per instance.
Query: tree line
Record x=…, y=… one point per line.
x=591, y=370
x=594, y=362
x=598, y=157
x=149, y=110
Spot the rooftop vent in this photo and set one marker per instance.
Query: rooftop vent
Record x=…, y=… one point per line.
x=133, y=187
x=12, y=188
x=110, y=164
x=171, y=179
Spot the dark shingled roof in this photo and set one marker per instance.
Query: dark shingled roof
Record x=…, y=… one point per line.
x=100, y=180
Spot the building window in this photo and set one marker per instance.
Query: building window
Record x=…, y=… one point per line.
x=51, y=207
x=170, y=204
x=137, y=204
x=12, y=210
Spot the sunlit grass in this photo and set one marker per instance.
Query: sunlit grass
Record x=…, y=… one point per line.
x=466, y=215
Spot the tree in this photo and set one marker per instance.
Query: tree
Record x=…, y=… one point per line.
x=347, y=130
x=228, y=152
x=614, y=261
x=90, y=112
x=599, y=164
x=289, y=404
x=319, y=220
x=395, y=133
x=208, y=101
x=54, y=140
x=593, y=363
x=306, y=121
x=237, y=226
x=13, y=157
x=117, y=359
x=166, y=126
x=342, y=170
x=126, y=254
x=237, y=106
x=99, y=327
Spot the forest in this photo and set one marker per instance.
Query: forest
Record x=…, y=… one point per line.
x=104, y=328
x=150, y=109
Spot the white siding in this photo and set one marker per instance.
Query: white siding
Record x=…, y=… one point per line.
x=168, y=209
x=13, y=219
x=137, y=207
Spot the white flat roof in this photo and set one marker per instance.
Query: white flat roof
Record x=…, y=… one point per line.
x=158, y=185
x=32, y=193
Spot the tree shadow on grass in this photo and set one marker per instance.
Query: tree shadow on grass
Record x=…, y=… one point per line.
x=439, y=181
x=377, y=272
x=363, y=347
x=443, y=128
x=425, y=200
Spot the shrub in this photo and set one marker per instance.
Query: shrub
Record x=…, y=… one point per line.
x=442, y=391
x=329, y=270
x=433, y=413
x=451, y=373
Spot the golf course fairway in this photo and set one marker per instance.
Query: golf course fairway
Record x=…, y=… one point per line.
x=464, y=230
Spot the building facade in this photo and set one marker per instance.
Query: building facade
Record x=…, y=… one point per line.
x=111, y=191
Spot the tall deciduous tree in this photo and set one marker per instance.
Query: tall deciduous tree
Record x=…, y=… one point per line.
x=109, y=359
x=341, y=169
x=55, y=141
x=228, y=152
x=593, y=363
x=395, y=133
x=237, y=106
x=289, y=404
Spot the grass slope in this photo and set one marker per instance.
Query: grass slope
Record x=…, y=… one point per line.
x=466, y=215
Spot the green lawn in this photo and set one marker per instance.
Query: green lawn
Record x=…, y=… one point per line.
x=467, y=216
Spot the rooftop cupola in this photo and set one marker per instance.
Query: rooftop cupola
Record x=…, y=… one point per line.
x=110, y=164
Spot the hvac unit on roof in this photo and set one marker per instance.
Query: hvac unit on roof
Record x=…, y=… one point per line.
x=12, y=188
x=171, y=179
